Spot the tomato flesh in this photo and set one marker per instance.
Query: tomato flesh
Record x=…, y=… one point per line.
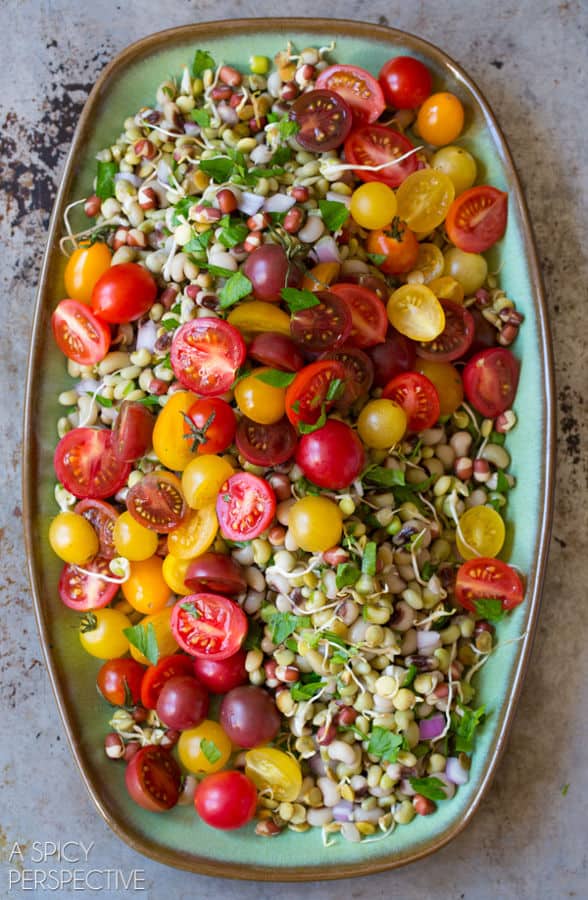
x=358, y=88
x=101, y=517
x=265, y=445
x=153, y=779
x=477, y=218
x=245, y=506
x=209, y=625
x=456, y=338
x=156, y=676
x=328, y=324
x=324, y=120
x=307, y=395
x=157, y=502
x=359, y=375
x=79, y=334
x=86, y=464
x=374, y=145
x=488, y=578
x=84, y=592
x=276, y=350
x=417, y=396
x=490, y=381
x=206, y=354
x=369, y=321
x=133, y=431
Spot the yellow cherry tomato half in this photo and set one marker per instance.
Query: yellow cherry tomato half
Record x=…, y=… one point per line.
x=458, y=164
x=202, y=479
x=381, y=424
x=206, y=748
x=256, y=316
x=72, y=538
x=469, y=269
x=446, y=379
x=102, y=633
x=424, y=199
x=447, y=288
x=321, y=276
x=259, y=401
x=195, y=534
x=84, y=267
x=316, y=523
x=169, y=444
x=133, y=540
x=174, y=572
x=274, y=770
x=440, y=119
x=166, y=642
x=373, y=205
x=146, y=590
x=415, y=312
x=482, y=532
x=429, y=262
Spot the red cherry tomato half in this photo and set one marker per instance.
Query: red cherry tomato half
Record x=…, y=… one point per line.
x=222, y=675
x=156, y=676
x=265, y=445
x=369, y=321
x=124, y=293
x=87, y=465
x=157, y=502
x=119, y=681
x=477, y=218
x=206, y=354
x=456, y=338
x=209, y=425
x=358, y=88
x=276, y=350
x=406, y=82
x=374, y=145
x=417, y=396
x=83, y=592
x=101, y=517
x=488, y=578
x=245, y=506
x=217, y=573
x=332, y=456
x=79, y=334
x=132, y=432
x=208, y=625
x=359, y=375
x=484, y=335
x=328, y=324
x=153, y=779
x=309, y=392
x=226, y=800
x=490, y=381
x=324, y=120
x=397, y=354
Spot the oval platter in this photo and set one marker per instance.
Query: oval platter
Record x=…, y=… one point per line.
x=178, y=838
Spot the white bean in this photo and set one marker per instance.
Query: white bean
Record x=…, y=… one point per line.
x=319, y=816
x=312, y=229
x=118, y=359
x=255, y=579
x=341, y=751
x=329, y=790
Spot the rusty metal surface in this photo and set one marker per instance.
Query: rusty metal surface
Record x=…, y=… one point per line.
x=527, y=840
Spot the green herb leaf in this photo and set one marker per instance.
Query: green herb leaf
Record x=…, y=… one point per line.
x=210, y=750
x=489, y=608
x=219, y=169
x=233, y=233
x=282, y=155
x=432, y=788
x=218, y=271
x=306, y=691
x=265, y=173
x=292, y=644
x=334, y=214
x=347, y=573
x=297, y=300
x=201, y=117
x=288, y=128
x=181, y=210
x=105, y=179
x=502, y=484
x=333, y=389
x=103, y=401
x=198, y=243
x=145, y=640
x=237, y=287
x=384, y=744
x=282, y=625
x=368, y=562
x=170, y=324
x=377, y=258
x=407, y=493
x=254, y=635
x=410, y=676
x=149, y=401
x=309, y=427
x=497, y=438
x=384, y=477
x=565, y=789
x=276, y=378
x=202, y=61
x=428, y=570
x=465, y=727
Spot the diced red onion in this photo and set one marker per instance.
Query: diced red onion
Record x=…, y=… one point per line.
x=432, y=727
x=326, y=250
x=317, y=765
x=163, y=171
x=405, y=787
x=146, y=336
x=87, y=386
x=261, y=154
x=338, y=198
x=250, y=203
x=455, y=772
x=279, y=203
x=191, y=128
x=428, y=641
x=367, y=815
x=343, y=811
x=128, y=176
x=229, y=115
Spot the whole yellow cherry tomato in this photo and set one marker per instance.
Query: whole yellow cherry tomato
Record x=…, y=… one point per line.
x=258, y=400
x=482, y=532
x=415, y=312
x=146, y=590
x=458, y=164
x=102, y=633
x=321, y=276
x=269, y=768
x=72, y=538
x=446, y=379
x=195, y=534
x=424, y=199
x=256, y=316
x=316, y=523
x=373, y=205
x=469, y=269
x=440, y=119
x=166, y=642
x=381, y=424
x=206, y=748
x=170, y=447
x=174, y=571
x=133, y=540
x=84, y=268
x=202, y=479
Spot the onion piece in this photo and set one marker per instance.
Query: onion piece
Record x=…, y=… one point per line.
x=279, y=203
x=326, y=250
x=428, y=642
x=338, y=198
x=87, y=386
x=432, y=727
x=343, y=811
x=163, y=171
x=191, y=128
x=128, y=176
x=261, y=154
x=250, y=203
x=455, y=772
x=317, y=765
x=146, y=336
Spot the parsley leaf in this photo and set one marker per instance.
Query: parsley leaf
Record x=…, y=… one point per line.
x=232, y=233
x=347, y=573
x=181, y=209
x=282, y=155
x=103, y=401
x=489, y=608
x=368, y=562
x=384, y=744
x=297, y=300
x=465, y=728
x=334, y=214
x=276, y=378
x=237, y=287
x=219, y=169
x=284, y=624
x=149, y=401
x=410, y=676
x=170, y=324
x=145, y=640
x=254, y=636
x=309, y=427
x=377, y=258
x=202, y=61
x=502, y=484
x=105, y=179
x=288, y=128
x=306, y=691
x=432, y=788
x=384, y=477
x=210, y=750
x=333, y=389
x=198, y=243
x=201, y=117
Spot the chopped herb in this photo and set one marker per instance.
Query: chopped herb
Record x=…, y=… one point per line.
x=347, y=573
x=297, y=300
x=384, y=744
x=410, y=676
x=254, y=636
x=353, y=728
x=232, y=233
x=502, y=484
x=304, y=486
x=309, y=427
x=218, y=271
x=265, y=173
x=292, y=644
x=384, y=477
x=210, y=750
x=368, y=562
x=202, y=61
x=407, y=493
x=334, y=214
x=201, y=117
x=288, y=128
x=176, y=309
x=428, y=570
x=565, y=789
x=306, y=691
x=237, y=287
x=149, y=401
x=465, y=727
x=131, y=386
x=105, y=179
x=145, y=640
x=219, y=169
x=284, y=624
x=181, y=210
x=497, y=438
x=282, y=155
x=333, y=389
x=103, y=401
x=276, y=378
x=377, y=258
x=198, y=243
x=170, y=324
x=432, y=788
x=308, y=677
x=345, y=650
x=489, y=608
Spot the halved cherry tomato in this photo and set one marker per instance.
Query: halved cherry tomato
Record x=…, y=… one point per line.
x=265, y=445
x=490, y=380
x=102, y=516
x=415, y=312
x=206, y=354
x=209, y=426
x=157, y=502
x=276, y=350
x=324, y=120
x=369, y=321
x=156, y=676
x=359, y=375
x=84, y=268
x=398, y=246
x=79, y=334
x=488, y=578
x=84, y=592
x=405, y=81
x=424, y=199
x=209, y=625
x=258, y=398
x=217, y=573
x=270, y=768
x=328, y=324
x=395, y=355
x=153, y=779
x=417, y=396
x=358, y=88
x=308, y=393
x=481, y=532
x=120, y=681
x=195, y=534
x=447, y=380
x=485, y=333
x=321, y=276
x=332, y=456
x=477, y=218
x=133, y=431
x=374, y=145
x=222, y=675
x=202, y=478
x=258, y=316
x=86, y=464
x=124, y=293
x=245, y=506
x=161, y=624
x=456, y=338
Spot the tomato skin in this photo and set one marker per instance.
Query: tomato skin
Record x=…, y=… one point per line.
x=153, y=779
x=226, y=800
x=357, y=87
x=397, y=354
x=124, y=293
x=324, y=120
x=84, y=268
x=490, y=381
x=328, y=324
x=203, y=477
x=220, y=432
x=86, y=464
x=399, y=246
x=157, y=502
x=369, y=321
x=373, y=145
x=258, y=400
x=373, y=205
x=415, y=312
x=83, y=592
x=102, y=516
x=405, y=81
x=277, y=351
x=258, y=316
x=102, y=633
x=120, y=680
x=145, y=589
x=190, y=750
x=440, y=119
x=417, y=396
x=265, y=445
x=487, y=577
x=218, y=630
x=249, y=716
x=477, y=218
x=222, y=675
x=156, y=675
x=308, y=392
x=133, y=431
x=73, y=538
x=269, y=271
x=205, y=355
x=481, y=533
x=359, y=375
x=79, y=334
x=332, y=456
x=316, y=523
x=382, y=423
x=456, y=338
x=245, y=506
x=182, y=703
x=216, y=573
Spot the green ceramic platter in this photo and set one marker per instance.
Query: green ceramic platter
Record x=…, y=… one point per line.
x=178, y=838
